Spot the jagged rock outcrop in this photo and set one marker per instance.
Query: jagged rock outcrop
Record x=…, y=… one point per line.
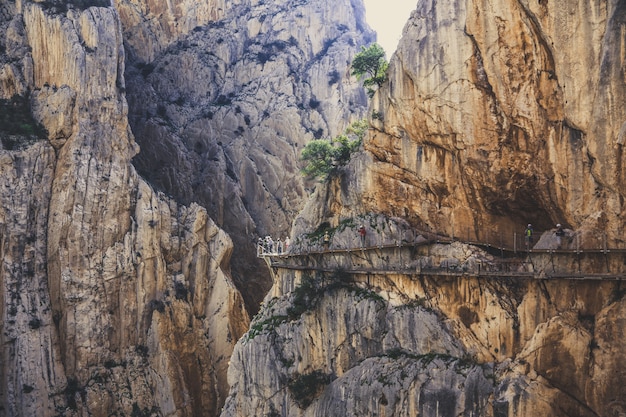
x=222, y=106
x=368, y=343
x=149, y=27
x=116, y=300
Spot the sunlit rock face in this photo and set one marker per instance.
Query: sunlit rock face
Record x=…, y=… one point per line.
x=116, y=300
x=498, y=114
x=221, y=107
x=495, y=115
x=398, y=344
x=340, y=343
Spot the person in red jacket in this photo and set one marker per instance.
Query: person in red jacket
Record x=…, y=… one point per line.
x=362, y=233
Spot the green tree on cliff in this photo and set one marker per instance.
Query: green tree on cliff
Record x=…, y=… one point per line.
x=370, y=66
x=323, y=156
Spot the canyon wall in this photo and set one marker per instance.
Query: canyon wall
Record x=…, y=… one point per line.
x=222, y=102
x=495, y=114
x=122, y=289
x=118, y=296
x=116, y=300
x=499, y=114
x=342, y=333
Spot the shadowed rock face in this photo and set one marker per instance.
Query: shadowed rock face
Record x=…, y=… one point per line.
x=221, y=110
x=118, y=299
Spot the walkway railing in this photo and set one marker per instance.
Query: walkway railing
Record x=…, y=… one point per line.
x=564, y=263
x=507, y=250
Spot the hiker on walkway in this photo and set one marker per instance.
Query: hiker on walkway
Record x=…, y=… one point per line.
x=287, y=243
x=362, y=233
x=269, y=244
x=528, y=235
x=260, y=249
x=279, y=246
x=326, y=240
x=559, y=234
x=559, y=230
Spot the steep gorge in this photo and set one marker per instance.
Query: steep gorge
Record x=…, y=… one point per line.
x=496, y=114
x=222, y=106
x=118, y=291
x=118, y=296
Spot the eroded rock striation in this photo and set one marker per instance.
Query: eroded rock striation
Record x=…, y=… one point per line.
x=116, y=300
x=501, y=114
x=496, y=114
x=394, y=342
x=222, y=105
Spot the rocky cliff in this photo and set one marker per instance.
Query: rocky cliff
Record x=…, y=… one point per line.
x=117, y=297
x=357, y=333
x=499, y=114
x=223, y=98
x=116, y=300
x=496, y=114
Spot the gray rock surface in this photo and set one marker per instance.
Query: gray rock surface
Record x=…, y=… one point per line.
x=339, y=343
x=116, y=300
x=222, y=110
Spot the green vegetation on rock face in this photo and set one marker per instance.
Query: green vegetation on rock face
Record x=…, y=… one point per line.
x=323, y=157
x=306, y=387
x=17, y=126
x=371, y=66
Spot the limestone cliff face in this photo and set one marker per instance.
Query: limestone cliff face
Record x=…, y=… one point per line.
x=222, y=106
x=116, y=300
x=149, y=27
x=495, y=115
x=399, y=344
x=498, y=114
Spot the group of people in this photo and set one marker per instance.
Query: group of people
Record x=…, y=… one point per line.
x=268, y=245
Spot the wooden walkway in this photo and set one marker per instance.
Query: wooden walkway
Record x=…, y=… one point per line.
x=509, y=263
x=444, y=272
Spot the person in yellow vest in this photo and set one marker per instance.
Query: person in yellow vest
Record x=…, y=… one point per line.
x=528, y=236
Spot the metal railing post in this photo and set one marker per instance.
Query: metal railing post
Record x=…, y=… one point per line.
x=578, y=251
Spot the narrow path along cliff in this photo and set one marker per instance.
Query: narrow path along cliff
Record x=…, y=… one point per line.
x=421, y=329
x=146, y=146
